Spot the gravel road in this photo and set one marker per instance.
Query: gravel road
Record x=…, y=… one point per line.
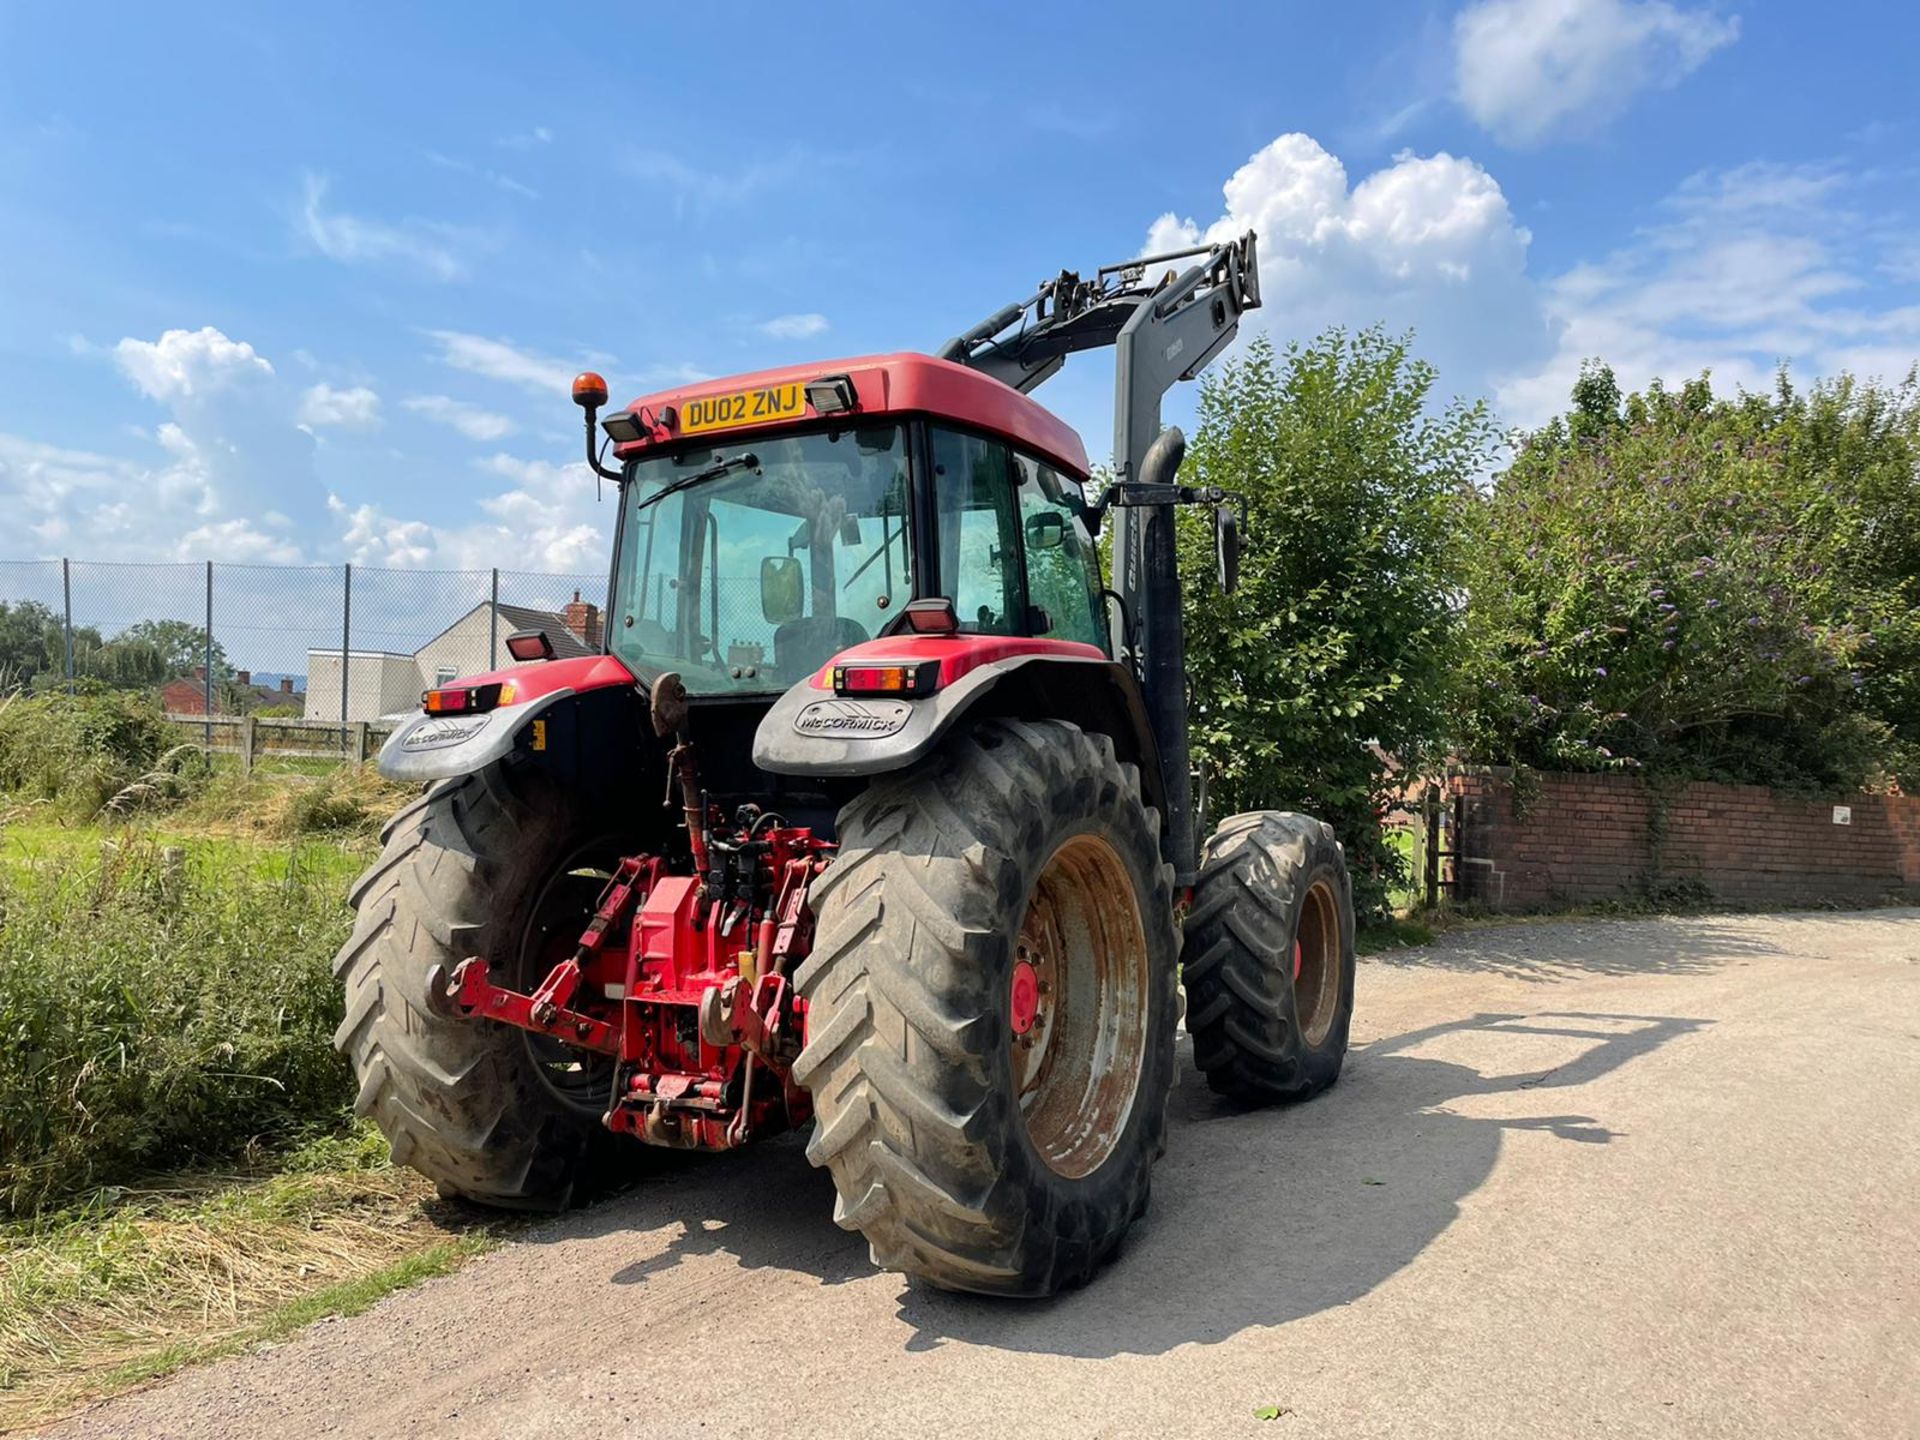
x=1606, y=1178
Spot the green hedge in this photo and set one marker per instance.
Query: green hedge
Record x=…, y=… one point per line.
x=159, y=1010
x=77, y=752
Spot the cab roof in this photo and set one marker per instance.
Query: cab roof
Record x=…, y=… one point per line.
x=884, y=385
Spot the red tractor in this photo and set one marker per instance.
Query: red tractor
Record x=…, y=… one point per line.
x=928, y=838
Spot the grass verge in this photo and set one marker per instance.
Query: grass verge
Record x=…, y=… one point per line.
x=138, y=1282
x=160, y=1010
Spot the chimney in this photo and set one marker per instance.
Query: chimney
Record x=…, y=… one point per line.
x=583, y=619
x=200, y=672
x=245, y=677
x=286, y=684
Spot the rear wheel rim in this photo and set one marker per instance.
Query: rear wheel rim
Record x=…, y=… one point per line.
x=1316, y=966
x=1078, y=1056
x=579, y=1079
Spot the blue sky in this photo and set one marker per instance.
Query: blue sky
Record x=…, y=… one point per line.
x=305, y=283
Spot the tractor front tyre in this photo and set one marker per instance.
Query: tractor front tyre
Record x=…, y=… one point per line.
x=991, y=1010
x=1268, y=958
x=491, y=864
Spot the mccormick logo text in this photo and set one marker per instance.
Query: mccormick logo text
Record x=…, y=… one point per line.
x=852, y=719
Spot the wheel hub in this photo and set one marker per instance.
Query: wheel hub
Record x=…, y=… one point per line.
x=1024, y=1003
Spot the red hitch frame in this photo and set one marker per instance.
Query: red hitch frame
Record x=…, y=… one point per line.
x=683, y=982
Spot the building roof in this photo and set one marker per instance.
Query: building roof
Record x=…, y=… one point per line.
x=566, y=644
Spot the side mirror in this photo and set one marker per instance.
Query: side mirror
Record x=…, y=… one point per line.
x=783, y=589
x=1226, y=546
x=1046, y=530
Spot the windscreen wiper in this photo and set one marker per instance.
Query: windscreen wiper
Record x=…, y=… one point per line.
x=745, y=461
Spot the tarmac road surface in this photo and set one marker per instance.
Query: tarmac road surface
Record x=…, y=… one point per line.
x=1604, y=1178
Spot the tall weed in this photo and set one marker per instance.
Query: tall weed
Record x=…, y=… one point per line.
x=158, y=1009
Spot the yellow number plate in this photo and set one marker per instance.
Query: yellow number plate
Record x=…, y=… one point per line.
x=743, y=407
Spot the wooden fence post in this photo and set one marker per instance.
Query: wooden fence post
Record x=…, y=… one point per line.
x=246, y=744
x=359, y=743
x=1431, y=806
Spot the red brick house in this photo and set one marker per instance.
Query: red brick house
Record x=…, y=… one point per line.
x=188, y=694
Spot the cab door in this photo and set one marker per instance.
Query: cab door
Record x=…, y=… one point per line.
x=1014, y=555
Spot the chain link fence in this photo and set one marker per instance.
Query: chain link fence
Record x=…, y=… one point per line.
x=283, y=666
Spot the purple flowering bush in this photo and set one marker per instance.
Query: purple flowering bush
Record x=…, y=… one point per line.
x=1715, y=588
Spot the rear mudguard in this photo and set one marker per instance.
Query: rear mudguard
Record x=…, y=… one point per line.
x=575, y=717
x=812, y=732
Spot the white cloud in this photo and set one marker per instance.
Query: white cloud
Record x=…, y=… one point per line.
x=1529, y=71
x=470, y=420
x=481, y=172
x=1427, y=243
x=526, y=140
x=371, y=537
x=697, y=188
x=503, y=360
x=183, y=363
x=795, y=327
x=355, y=240
x=354, y=409
x=550, y=518
x=1749, y=268
x=227, y=473
x=237, y=541
x=52, y=495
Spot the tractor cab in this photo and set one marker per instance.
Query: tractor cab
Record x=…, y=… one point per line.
x=758, y=537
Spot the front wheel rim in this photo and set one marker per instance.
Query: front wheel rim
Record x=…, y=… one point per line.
x=1316, y=965
x=1077, y=1006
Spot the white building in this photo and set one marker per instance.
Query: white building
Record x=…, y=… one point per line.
x=381, y=683
x=378, y=683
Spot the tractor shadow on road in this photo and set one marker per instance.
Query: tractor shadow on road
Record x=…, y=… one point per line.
x=1258, y=1217
x=1261, y=1217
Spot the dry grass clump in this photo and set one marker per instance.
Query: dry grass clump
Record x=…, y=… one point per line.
x=139, y=1281
x=348, y=803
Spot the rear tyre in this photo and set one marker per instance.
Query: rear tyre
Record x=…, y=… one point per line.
x=1268, y=958
x=992, y=993
x=490, y=864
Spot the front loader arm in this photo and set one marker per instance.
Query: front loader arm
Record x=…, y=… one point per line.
x=1161, y=333
x=1164, y=332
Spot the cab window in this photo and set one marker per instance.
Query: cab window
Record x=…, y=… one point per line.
x=1063, y=570
x=1015, y=557
x=979, y=546
x=793, y=550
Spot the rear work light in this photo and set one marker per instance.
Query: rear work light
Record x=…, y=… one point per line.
x=932, y=617
x=466, y=699
x=887, y=677
x=527, y=645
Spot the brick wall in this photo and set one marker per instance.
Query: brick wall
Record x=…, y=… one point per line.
x=1590, y=837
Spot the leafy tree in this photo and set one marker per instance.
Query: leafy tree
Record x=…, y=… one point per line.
x=1338, y=648
x=1721, y=589
x=33, y=650
x=25, y=626
x=180, y=644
